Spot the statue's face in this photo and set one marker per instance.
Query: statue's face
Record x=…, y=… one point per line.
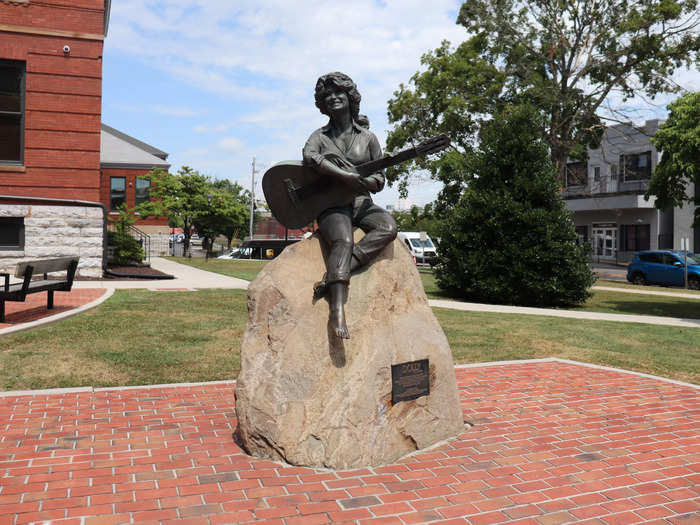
x=336, y=100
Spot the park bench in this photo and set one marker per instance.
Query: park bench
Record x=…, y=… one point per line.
x=26, y=270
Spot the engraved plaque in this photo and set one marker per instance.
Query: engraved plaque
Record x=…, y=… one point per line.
x=409, y=381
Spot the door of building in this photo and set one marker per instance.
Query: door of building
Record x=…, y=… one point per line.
x=604, y=241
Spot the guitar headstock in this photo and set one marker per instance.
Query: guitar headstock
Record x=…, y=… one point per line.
x=433, y=144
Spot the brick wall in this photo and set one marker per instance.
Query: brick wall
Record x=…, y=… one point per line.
x=63, y=96
x=130, y=175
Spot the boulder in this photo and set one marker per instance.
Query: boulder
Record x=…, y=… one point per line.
x=308, y=398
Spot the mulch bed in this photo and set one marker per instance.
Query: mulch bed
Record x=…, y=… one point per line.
x=145, y=271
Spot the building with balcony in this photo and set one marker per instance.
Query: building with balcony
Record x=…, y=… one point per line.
x=606, y=196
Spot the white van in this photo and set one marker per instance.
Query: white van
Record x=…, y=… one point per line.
x=420, y=245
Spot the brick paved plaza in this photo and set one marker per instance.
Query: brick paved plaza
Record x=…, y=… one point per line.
x=551, y=442
x=34, y=307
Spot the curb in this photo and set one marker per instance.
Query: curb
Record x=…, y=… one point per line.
x=58, y=317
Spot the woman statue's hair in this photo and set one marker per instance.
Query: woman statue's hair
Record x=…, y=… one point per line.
x=337, y=80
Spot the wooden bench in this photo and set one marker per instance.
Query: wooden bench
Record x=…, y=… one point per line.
x=26, y=270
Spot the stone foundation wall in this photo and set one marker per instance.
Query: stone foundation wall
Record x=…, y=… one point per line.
x=57, y=231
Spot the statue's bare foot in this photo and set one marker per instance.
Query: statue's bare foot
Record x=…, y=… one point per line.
x=337, y=318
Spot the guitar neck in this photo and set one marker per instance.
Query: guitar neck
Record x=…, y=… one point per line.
x=391, y=160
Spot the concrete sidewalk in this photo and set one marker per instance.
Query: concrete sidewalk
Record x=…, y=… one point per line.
x=186, y=278
x=570, y=314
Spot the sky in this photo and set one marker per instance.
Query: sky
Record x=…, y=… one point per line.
x=216, y=83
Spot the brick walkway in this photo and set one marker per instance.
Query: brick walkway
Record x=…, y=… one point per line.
x=551, y=443
x=34, y=307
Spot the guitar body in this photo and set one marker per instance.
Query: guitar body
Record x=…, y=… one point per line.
x=297, y=194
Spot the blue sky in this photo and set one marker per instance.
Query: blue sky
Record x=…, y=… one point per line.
x=217, y=82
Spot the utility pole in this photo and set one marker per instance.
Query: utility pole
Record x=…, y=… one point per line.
x=252, y=202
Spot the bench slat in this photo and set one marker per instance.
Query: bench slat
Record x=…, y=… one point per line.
x=45, y=266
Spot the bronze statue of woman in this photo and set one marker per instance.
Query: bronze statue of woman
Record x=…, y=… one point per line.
x=334, y=150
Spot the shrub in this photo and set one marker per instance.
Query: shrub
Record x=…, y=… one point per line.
x=510, y=238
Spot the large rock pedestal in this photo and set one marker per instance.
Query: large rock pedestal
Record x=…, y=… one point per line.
x=308, y=398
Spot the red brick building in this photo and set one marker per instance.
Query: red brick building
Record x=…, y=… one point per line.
x=56, y=188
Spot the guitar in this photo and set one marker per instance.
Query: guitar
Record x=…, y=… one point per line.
x=297, y=194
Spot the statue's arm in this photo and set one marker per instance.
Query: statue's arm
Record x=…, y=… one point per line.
x=375, y=181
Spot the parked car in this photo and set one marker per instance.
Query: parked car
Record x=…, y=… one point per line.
x=237, y=253
x=664, y=267
x=422, y=250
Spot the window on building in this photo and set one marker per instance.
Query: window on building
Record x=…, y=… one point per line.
x=11, y=233
x=576, y=174
x=636, y=166
x=635, y=237
x=613, y=172
x=11, y=112
x=596, y=174
x=143, y=191
x=117, y=192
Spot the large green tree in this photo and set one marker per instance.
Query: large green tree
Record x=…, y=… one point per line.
x=227, y=211
x=565, y=57
x=510, y=238
x=679, y=141
x=194, y=200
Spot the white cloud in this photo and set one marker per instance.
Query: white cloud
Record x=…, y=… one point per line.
x=231, y=144
x=216, y=128
x=175, y=111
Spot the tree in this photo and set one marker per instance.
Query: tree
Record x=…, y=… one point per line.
x=182, y=196
x=565, y=57
x=417, y=220
x=235, y=220
x=510, y=238
x=127, y=250
x=226, y=213
x=679, y=140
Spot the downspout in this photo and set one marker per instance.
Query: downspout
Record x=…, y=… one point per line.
x=66, y=202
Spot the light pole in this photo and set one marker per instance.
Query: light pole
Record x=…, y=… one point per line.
x=209, y=240
x=252, y=202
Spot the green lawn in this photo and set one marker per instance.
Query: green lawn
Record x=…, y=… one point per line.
x=136, y=337
x=630, y=286
x=241, y=268
x=140, y=337
x=660, y=350
x=602, y=301
x=611, y=302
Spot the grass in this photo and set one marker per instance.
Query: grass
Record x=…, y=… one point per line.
x=630, y=286
x=606, y=301
x=140, y=337
x=660, y=350
x=241, y=268
x=136, y=337
x=603, y=301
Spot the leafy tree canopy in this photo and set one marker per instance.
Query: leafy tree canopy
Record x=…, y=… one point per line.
x=510, y=239
x=679, y=140
x=565, y=57
x=417, y=220
x=192, y=199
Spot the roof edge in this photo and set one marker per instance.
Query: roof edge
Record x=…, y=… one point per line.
x=129, y=166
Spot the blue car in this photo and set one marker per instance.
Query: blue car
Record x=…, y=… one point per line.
x=664, y=267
